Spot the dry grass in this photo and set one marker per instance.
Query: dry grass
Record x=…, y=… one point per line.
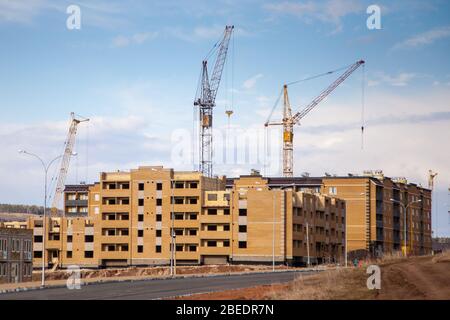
x=340, y=283
x=335, y=284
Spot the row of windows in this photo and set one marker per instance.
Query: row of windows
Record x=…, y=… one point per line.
x=213, y=212
x=140, y=249
x=16, y=245
x=176, y=185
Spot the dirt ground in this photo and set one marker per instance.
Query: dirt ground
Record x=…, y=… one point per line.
x=420, y=278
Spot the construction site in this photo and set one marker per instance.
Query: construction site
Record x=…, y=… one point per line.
x=161, y=216
x=159, y=221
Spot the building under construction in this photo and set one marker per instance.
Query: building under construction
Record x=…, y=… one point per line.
x=135, y=217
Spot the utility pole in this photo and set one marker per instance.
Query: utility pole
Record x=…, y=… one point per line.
x=307, y=244
x=273, y=231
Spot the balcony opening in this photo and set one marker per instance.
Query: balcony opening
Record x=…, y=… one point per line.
x=179, y=216
x=179, y=185
x=226, y=243
x=178, y=200
x=192, y=200
x=211, y=227
x=193, y=185
x=226, y=227
x=212, y=212
x=192, y=232
x=179, y=247
x=179, y=232
x=193, y=216
x=192, y=248
x=211, y=243
x=226, y=212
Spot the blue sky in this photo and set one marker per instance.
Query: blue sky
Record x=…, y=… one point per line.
x=134, y=65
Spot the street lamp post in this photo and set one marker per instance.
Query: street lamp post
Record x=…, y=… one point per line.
x=46, y=168
x=405, y=208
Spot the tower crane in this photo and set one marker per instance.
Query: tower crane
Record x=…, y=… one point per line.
x=68, y=148
x=290, y=120
x=206, y=100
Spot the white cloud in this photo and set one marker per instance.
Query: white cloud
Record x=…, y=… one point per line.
x=425, y=38
x=251, y=82
x=138, y=38
x=400, y=80
x=22, y=11
x=97, y=13
x=213, y=32
x=331, y=11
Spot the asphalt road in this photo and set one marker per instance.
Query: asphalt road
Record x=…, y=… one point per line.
x=153, y=289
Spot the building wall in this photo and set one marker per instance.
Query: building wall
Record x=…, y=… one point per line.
x=129, y=222
x=15, y=255
x=375, y=222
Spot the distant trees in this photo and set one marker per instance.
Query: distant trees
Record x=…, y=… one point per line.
x=21, y=208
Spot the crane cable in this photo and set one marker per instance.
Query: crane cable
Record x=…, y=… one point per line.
x=363, y=84
x=319, y=75
x=274, y=106
x=87, y=151
x=303, y=80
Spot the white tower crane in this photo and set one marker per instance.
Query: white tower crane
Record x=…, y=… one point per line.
x=206, y=101
x=65, y=162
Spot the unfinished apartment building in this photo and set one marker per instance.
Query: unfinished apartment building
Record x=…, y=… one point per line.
x=380, y=210
x=127, y=218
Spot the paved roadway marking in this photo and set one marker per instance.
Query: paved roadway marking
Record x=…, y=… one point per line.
x=154, y=289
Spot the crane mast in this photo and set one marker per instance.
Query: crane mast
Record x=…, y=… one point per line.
x=68, y=149
x=206, y=101
x=289, y=120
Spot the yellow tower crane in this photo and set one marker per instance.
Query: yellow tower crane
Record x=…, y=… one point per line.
x=290, y=120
